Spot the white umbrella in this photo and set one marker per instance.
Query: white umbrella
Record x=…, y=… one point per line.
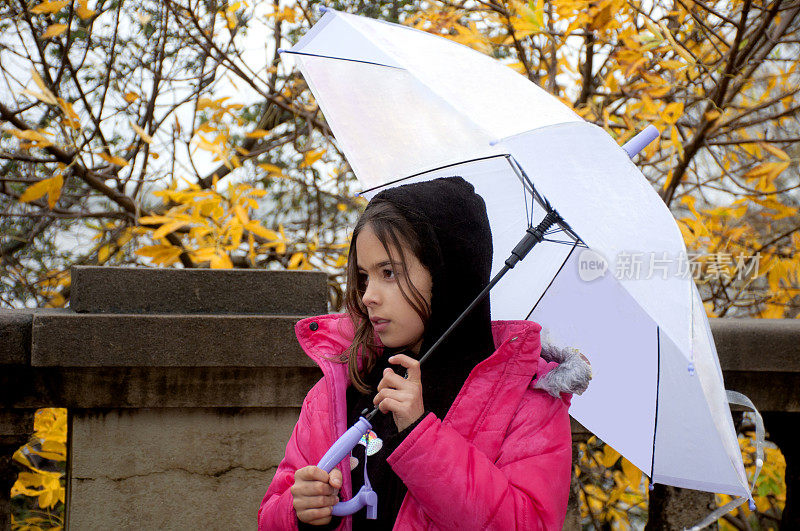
x=407, y=106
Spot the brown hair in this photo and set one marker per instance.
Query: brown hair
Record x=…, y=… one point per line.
x=395, y=232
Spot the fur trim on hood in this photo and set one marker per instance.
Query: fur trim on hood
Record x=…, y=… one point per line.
x=572, y=375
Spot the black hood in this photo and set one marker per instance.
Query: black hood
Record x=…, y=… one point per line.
x=457, y=250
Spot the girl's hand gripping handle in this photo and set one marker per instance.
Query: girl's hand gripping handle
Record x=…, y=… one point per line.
x=341, y=449
x=344, y=445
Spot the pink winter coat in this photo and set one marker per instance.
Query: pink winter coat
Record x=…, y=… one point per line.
x=500, y=459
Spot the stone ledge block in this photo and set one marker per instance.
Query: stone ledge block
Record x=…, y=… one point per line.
x=149, y=387
x=769, y=391
x=173, y=501
x=199, y=441
x=67, y=339
x=188, y=291
x=15, y=336
x=759, y=345
x=190, y=468
x=16, y=422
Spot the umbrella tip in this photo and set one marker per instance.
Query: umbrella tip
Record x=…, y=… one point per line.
x=641, y=141
x=751, y=504
x=281, y=50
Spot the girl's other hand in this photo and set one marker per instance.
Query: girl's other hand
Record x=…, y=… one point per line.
x=401, y=396
x=314, y=493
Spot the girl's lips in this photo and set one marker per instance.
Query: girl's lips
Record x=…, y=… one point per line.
x=380, y=326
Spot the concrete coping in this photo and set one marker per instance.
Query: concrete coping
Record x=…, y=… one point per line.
x=131, y=290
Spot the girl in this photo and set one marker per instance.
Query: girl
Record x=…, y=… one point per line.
x=479, y=436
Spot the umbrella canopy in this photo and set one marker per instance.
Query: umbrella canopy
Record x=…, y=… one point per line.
x=407, y=106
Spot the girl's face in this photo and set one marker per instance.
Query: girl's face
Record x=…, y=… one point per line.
x=393, y=318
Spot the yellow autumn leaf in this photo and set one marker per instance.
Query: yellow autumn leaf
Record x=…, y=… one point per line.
x=52, y=456
x=235, y=236
x=775, y=151
x=311, y=157
x=256, y=228
x=271, y=168
x=672, y=112
x=49, y=7
x=257, y=133
x=38, y=96
x=46, y=96
x=52, y=491
x=119, y=161
x=231, y=18
x=680, y=50
x=51, y=187
x=54, y=192
x=21, y=489
x=57, y=449
x=609, y=457
x=141, y=132
x=288, y=14
x=241, y=214
x=658, y=92
x=152, y=250
x=767, y=169
x=69, y=111
x=103, y=253
x=632, y=474
x=251, y=248
x=130, y=97
x=51, y=422
x=33, y=136
x=204, y=254
x=150, y=220
x=676, y=141
x=161, y=254
x=655, y=30
x=221, y=260
x=168, y=228
x=295, y=260
x=54, y=30
x=83, y=11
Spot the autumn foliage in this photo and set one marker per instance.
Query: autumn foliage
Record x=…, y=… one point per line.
x=157, y=134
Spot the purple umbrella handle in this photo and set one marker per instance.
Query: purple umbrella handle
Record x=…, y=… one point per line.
x=366, y=496
x=338, y=451
x=640, y=141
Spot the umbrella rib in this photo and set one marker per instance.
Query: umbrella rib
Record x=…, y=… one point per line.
x=658, y=385
x=544, y=203
x=552, y=280
x=341, y=59
x=401, y=179
x=566, y=242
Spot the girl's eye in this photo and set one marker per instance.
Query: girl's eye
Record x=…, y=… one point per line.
x=390, y=273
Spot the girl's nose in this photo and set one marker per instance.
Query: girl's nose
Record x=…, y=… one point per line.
x=370, y=295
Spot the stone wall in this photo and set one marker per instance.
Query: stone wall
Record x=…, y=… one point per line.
x=184, y=385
